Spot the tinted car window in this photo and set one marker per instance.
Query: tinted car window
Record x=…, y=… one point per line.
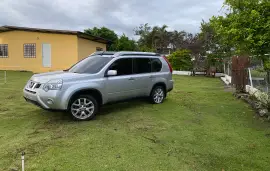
x=141, y=65
x=90, y=65
x=123, y=66
x=156, y=65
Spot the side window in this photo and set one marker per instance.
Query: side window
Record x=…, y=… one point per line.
x=156, y=65
x=123, y=66
x=3, y=50
x=141, y=65
x=29, y=50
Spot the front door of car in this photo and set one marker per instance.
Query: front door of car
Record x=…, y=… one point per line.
x=120, y=86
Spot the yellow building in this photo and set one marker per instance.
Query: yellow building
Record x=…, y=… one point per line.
x=41, y=50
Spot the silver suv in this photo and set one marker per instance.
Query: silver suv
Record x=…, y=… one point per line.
x=99, y=79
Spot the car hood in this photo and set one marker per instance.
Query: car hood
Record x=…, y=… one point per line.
x=65, y=76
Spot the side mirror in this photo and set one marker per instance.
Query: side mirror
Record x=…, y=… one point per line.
x=111, y=73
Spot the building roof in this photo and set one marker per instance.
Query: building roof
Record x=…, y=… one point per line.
x=78, y=33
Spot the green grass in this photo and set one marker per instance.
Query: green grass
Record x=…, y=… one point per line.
x=198, y=127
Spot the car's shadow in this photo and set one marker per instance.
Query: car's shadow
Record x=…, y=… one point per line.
x=107, y=109
x=122, y=106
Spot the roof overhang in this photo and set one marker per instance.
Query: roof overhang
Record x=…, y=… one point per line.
x=4, y=29
x=93, y=38
x=78, y=33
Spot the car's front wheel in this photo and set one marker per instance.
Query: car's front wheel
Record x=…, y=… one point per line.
x=158, y=94
x=83, y=107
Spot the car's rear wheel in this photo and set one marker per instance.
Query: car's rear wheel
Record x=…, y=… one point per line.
x=83, y=107
x=158, y=95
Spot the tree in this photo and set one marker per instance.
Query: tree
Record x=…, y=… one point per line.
x=214, y=46
x=126, y=44
x=144, y=31
x=181, y=60
x=105, y=33
x=153, y=38
x=246, y=28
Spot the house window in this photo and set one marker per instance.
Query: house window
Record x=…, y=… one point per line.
x=29, y=50
x=99, y=49
x=3, y=50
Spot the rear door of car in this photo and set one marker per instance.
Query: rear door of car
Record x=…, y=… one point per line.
x=142, y=75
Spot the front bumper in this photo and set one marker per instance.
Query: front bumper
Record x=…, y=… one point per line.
x=40, y=98
x=34, y=103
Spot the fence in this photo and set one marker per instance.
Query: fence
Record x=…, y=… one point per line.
x=257, y=76
x=228, y=68
x=258, y=79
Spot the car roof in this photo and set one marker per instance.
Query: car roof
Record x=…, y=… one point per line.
x=124, y=53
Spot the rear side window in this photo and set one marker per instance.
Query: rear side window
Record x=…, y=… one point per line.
x=141, y=65
x=156, y=65
x=123, y=66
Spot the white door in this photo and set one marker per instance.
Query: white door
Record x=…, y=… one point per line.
x=46, y=55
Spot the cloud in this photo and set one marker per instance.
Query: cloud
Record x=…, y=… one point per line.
x=120, y=15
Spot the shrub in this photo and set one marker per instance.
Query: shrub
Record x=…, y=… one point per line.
x=181, y=60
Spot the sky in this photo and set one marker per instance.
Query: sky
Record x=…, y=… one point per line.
x=119, y=15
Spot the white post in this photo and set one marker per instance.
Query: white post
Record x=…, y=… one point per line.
x=23, y=161
x=228, y=69
x=250, y=78
x=5, y=77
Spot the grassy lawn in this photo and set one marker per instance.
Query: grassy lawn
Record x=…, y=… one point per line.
x=198, y=127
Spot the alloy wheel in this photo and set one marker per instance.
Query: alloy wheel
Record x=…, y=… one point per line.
x=82, y=108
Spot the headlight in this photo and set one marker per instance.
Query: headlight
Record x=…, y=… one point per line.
x=53, y=85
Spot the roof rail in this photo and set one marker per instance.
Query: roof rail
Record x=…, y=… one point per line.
x=127, y=53
x=103, y=53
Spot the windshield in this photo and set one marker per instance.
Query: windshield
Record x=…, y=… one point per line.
x=90, y=65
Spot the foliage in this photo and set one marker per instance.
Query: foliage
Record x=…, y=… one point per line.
x=118, y=44
x=152, y=38
x=105, y=33
x=160, y=39
x=246, y=27
x=125, y=44
x=181, y=60
x=144, y=48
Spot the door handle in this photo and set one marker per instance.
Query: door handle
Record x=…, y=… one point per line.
x=131, y=79
x=151, y=76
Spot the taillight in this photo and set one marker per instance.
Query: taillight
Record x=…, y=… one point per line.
x=168, y=63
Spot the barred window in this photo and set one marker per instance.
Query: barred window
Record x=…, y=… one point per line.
x=99, y=49
x=3, y=50
x=29, y=50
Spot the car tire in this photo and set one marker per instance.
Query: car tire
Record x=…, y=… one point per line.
x=83, y=108
x=158, y=95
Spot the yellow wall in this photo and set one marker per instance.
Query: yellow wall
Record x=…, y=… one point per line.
x=87, y=47
x=64, y=51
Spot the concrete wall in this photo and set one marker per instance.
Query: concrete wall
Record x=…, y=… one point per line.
x=197, y=73
x=87, y=47
x=64, y=51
